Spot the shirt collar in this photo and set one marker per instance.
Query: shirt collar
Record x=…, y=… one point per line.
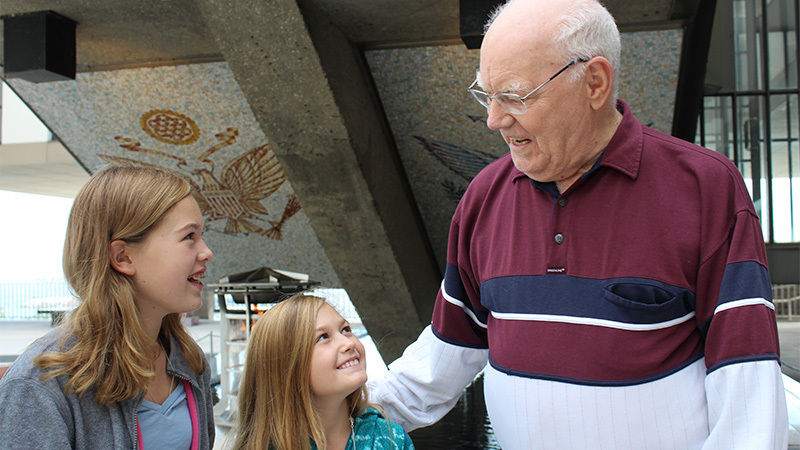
x=623, y=152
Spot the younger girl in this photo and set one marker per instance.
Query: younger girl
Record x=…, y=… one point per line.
x=303, y=384
x=122, y=372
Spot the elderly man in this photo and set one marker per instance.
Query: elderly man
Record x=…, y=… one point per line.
x=613, y=277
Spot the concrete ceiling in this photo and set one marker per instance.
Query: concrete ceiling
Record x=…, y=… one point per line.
x=119, y=33
x=114, y=34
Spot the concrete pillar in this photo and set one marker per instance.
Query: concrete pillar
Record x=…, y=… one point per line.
x=309, y=88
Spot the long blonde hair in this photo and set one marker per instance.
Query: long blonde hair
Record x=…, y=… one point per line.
x=112, y=352
x=275, y=403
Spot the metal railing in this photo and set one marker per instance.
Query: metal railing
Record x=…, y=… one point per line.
x=786, y=298
x=22, y=301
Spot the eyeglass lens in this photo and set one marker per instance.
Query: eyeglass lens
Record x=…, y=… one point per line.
x=510, y=102
x=513, y=103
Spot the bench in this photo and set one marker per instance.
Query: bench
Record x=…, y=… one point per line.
x=56, y=314
x=56, y=307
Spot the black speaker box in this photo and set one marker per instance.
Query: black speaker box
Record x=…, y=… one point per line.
x=39, y=46
x=473, y=15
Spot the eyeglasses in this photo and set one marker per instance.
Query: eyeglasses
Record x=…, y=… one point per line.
x=513, y=103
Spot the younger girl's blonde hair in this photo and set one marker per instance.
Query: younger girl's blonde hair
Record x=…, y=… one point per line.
x=112, y=352
x=275, y=403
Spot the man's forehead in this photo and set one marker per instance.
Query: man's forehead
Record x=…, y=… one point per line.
x=509, y=63
x=511, y=68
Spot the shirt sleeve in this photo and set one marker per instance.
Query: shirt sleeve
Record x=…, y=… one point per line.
x=747, y=407
x=426, y=381
x=32, y=416
x=744, y=388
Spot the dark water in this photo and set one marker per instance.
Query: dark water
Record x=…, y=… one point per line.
x=465, y=427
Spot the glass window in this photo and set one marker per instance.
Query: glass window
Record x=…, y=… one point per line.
x=785, y=167
x=747, y=44
x=717, y=132
x=750, y=153
x=781, y=45
x=753, y=118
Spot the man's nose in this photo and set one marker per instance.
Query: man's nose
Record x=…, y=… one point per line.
x=498, y=118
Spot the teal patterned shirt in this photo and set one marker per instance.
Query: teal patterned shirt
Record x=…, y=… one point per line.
x=373, y=432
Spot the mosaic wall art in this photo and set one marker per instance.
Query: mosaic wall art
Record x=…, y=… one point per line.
x=192, y=119
x=440, y=129
x=235, y=194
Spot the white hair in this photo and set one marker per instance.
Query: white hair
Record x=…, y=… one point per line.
x=586, y=30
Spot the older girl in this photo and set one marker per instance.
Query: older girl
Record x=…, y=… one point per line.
x=122, y=372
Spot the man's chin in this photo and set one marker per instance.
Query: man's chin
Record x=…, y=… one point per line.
x=526, y=166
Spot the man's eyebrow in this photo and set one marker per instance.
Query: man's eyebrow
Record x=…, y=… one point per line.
x=511, y=88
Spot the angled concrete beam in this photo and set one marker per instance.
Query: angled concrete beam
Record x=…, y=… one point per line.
x=310, y=90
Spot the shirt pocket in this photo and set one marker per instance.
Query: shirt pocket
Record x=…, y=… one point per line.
x=649, y=297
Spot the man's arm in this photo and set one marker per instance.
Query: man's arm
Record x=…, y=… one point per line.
x=744, y=388
x=747, y=407
x=426, y=381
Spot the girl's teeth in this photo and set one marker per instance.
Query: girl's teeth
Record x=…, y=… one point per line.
x=349, y=364
x=196, y=277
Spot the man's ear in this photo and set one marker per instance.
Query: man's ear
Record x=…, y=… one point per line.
x=600, y=77
x=120, y=260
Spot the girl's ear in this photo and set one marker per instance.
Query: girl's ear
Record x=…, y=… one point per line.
x=120, y=260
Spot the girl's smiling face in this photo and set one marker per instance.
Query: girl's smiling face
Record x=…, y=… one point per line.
x=338, y=365
x=170, y=263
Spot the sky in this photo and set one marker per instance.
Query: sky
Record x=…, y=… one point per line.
x=32, y=229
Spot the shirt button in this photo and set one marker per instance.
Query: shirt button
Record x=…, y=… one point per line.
x=563, y=201
x=559, y=238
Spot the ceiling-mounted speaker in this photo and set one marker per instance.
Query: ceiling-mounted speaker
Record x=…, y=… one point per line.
x=473, y=15
x=39, y=46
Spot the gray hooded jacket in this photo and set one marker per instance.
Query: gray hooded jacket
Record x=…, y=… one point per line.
x=35, y=414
